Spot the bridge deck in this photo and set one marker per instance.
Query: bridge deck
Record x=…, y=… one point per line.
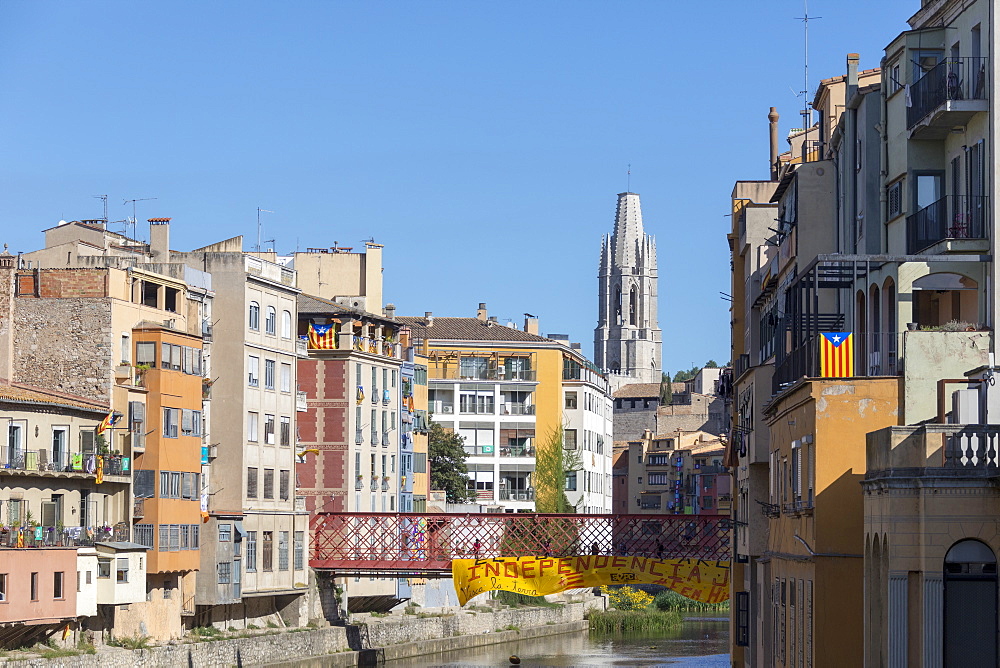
x=423, y=544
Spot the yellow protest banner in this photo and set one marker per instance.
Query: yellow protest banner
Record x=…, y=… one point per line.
x=705, y=581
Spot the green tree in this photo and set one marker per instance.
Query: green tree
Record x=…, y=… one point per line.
x=446, y=460
x=711, y=364
x=666, y=391
x=552, y=462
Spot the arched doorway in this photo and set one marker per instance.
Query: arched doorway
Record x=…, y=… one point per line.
x=970, y=605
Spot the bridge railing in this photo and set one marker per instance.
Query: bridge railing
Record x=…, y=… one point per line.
x=429, y=541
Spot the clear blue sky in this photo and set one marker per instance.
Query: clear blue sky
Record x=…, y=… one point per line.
x=482, y=142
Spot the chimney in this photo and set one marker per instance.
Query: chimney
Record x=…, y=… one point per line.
x=531, y=324
x=390, y=310
x=493, y=319
x=852, y=74
x=772, y=118
x=159, y=239
x=481, y=311
x=428, y=318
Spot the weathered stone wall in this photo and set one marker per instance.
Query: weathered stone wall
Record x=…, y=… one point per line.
x=64, y=345
x=400, y=636
x=630, y=423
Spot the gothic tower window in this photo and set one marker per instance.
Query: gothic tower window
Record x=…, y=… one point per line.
x=618, y=304
x=633, y=306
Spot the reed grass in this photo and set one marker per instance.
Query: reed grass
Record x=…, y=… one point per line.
x=669, y=600
x=633, y=621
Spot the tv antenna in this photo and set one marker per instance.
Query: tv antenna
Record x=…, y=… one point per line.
x=137, y=199
x=628, y=178
x=104, y=198
x=259, y=211
x=806, y=111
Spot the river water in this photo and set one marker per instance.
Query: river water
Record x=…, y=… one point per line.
x=700, y=642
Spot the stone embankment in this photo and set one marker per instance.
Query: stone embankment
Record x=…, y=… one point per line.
x=382, y=638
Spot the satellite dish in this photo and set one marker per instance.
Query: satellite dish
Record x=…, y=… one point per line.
x=62, y=222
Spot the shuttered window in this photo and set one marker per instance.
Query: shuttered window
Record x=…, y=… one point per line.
x=142, y=483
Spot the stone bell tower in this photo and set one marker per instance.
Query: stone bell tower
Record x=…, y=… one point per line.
x=628, y=340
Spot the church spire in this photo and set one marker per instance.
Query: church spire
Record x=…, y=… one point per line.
x=628, y=234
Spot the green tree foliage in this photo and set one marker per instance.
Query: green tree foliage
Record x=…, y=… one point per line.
x=446, y=460
x=552, y=462
x=666, y=391
x=688, y=374
x=711, y=364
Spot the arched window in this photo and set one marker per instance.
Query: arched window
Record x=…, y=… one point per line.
x=286, y=325
x=254, y=315
x=618, y=305
x=271, y=323
x=970, y=605
x=633, y=306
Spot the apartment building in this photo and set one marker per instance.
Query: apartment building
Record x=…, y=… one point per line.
x=898, y=256
x=253, y=562
x=505, y=391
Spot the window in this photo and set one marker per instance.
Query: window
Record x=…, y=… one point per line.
x=137, y=423
x=171, y=416
x=286, y=430
x=283, y=480
x=225, y=533
x=145, y=353
x=121, y=570
x=743, y=616
x=286, y=377
x=299, y=555
x=3, y=586
x=571, y=481
x=254, y=316
x=569, y=439
x=253, y=370
x=271, y=322
x=268, y=429
x=251, y=482
x=268, y=484
x=57, y=584
x=659, y=479
x=282, y=550
x=895, y=199
x=251, y=552
x=225, y=572
x=252, y=419
x=894, y=82
x=268, y=374
x=143, y=535
x=286, y=325
x=103, y=568
x=268, y=550
x=571, y=400
x=34, y=586
x=190, y=422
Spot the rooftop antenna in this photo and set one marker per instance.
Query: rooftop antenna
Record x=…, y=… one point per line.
x=104, y=198
x=138, y=199
x=806, y=111
x=259, y=211
x=628, y=179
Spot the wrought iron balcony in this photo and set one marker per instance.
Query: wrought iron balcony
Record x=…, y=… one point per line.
x=946, y=96
x=951, y=217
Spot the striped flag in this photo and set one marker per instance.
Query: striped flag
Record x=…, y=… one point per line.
x=836, y=355
x=323, y=337
x=361, y=394
x=109, y=421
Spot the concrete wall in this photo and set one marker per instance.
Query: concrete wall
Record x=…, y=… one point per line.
x=20, y=566
x=930, y=356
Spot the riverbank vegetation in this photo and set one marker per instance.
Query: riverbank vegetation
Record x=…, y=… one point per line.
x=669, y=600
x=633, y=611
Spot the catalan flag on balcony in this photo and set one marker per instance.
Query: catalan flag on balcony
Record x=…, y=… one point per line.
x=361, y=395
x=109, y=421
x=100, y=470
x=836, y=355
x=323, y=337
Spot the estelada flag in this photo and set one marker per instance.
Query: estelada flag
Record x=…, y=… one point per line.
x=836, y=355
x=361, y=394
x=110, y=420
x=323, y=337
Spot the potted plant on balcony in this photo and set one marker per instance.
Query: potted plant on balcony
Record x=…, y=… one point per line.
x=140, y=373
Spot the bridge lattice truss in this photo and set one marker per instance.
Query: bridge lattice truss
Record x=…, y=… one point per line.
x=427, y=542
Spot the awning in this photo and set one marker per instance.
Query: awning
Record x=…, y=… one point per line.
x=240, y=531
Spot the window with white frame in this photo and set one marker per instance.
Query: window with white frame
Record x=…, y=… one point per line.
x=253, y=370
x=270, y=323
x=269, y=374
x=253, y=420
x=286, y=325
x=254, y=316
x=286, y=378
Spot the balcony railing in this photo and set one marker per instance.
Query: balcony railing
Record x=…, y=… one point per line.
x=517, y=409
x=517, y=494
x=50, y=536
x=385, y=485
x=359, y=437
x=374, y=436
x=138, y=509
x=374, y=485
x=359, y=484
x=386, y=438
x=972, y=447
x=45, y=461
x=951, y=217
x=517, y=451
x=951, y=79
x=479, y=450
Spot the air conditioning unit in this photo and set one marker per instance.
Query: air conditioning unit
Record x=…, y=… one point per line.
x=447, y=409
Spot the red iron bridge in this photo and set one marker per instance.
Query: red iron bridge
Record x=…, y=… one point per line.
x=423, y=544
